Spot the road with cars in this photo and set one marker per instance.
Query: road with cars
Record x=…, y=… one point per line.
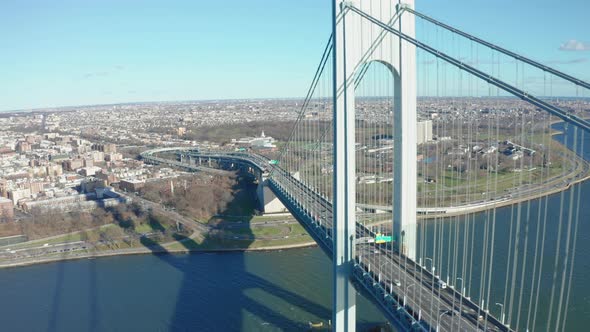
x=419, y=292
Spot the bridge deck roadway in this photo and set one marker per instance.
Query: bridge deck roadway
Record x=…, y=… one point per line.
x=418, y=296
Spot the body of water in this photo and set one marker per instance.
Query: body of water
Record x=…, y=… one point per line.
x=526, y=250
x=257, y=291
x=271, y=291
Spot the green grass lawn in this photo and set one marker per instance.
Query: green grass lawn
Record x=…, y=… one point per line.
x=460, y=187
x=270, y=217
x=147, y=228
x=78, y=236
x=290, y=238
x=258, y=231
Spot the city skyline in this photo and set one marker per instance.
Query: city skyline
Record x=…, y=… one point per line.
x=69, y=54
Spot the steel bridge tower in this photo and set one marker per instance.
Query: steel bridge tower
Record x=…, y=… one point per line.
x=357, y=43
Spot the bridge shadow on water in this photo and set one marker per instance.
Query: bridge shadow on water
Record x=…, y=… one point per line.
x=217, y=305
x=205, y=291
x=58, y=297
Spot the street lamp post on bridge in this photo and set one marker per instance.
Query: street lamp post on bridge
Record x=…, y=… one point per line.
x=431, y=264
x=462, y=284
x=502, y=314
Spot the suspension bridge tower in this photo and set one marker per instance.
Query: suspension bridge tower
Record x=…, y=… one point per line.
x=358, y=42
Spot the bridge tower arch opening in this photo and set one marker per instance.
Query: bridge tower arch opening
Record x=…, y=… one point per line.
x=400, y=130
x=358, y=43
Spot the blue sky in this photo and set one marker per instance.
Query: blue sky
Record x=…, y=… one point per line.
x=59, y=53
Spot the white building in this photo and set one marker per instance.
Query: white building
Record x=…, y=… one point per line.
x=424, y=131
x=262, y=142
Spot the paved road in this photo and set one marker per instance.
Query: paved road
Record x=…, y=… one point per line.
x=206, y=228
x=441, y=309
x=44, y=249
x=41, y=249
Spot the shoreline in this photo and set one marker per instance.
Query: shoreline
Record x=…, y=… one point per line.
x=504, y=203
x=148, y=251
x=512, y=201
x=476, y=208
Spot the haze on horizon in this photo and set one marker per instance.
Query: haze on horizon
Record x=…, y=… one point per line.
x=68, y=53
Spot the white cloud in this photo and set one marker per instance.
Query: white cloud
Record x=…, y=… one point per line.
x=567, y=62
x=112, y=70
x=574, y=45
